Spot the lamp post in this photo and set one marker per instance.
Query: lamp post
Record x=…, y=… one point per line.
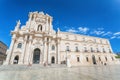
x=67, y=60
x=66, y=57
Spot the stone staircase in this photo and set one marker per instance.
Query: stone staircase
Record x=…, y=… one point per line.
x=29, y=67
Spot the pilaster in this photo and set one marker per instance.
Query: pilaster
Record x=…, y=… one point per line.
x=58, y=52
x=28, y=51
x=9, y=55
x=45, y=50
x=49, y=48
x=21, y=61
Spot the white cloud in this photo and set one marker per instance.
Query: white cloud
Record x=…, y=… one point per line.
x=83, y=30
x=107, y=34
x=113, y=37
x=72, y=30
x=117, y=33
x=97, y=32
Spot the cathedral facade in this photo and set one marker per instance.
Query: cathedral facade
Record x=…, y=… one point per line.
x=37, y=43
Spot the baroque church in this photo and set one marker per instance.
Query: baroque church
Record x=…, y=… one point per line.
x=37, y=43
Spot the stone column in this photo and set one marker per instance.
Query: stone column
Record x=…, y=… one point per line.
x=45, y=51
x=9, y=54
x=28, y=51
x=58, y=52
x=23, y=51
x=49, y=49
x=82, y=58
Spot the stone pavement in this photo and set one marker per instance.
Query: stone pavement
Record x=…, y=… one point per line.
x=36, y=72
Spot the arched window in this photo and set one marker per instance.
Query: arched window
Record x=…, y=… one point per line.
x=85, y=49
x=53, y=47
x=94, y=59
x=106, y=58
x=78, y=59
x=99, y=59
x=39, y=28
x=76, y=49
x=87, y=59
x=97, y=50
x=92, y=49
x=103, y=50
x=19, y=45
x=67, y=48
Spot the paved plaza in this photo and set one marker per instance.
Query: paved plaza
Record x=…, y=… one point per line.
x=36, y=72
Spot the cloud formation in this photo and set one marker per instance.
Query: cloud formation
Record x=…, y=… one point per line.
x=116, y=35
x=107, y=33
x=99, y=32
x=72, y=30
x=83, y=30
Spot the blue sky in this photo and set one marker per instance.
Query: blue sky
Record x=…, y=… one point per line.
x=100, y=18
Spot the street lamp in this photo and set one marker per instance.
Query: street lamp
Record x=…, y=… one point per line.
x=66, y=56
x=67, y=60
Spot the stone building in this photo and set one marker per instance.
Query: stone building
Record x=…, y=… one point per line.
x=37, y=43
x=3, y=49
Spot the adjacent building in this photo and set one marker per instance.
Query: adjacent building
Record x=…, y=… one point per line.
x=3, y=49
x=37, y=42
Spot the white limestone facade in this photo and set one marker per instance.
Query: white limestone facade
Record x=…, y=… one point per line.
x=37, y=43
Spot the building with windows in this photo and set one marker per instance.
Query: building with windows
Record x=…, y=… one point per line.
x=3, y=49
x=37, y=43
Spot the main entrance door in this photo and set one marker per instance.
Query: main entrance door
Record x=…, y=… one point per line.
x=93, y=59
x=53, y=60
x=36, y=56
x=16, y=59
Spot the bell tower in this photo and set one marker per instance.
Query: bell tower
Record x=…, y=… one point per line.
x=40, y=22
